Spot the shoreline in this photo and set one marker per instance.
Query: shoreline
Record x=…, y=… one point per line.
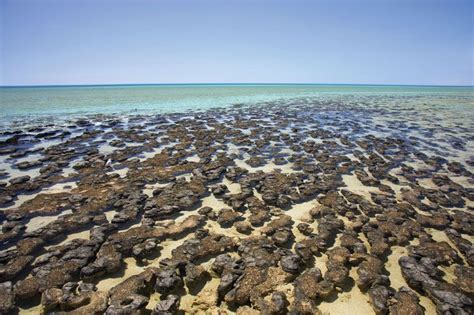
x=317, y=206
x=30, y=105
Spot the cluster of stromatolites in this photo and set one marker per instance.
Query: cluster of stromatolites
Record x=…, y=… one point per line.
x=271, y=209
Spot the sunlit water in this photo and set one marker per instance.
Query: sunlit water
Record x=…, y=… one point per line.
x=21, y=104
x=436, y=121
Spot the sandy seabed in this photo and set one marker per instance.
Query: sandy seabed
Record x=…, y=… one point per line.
x=301, y=207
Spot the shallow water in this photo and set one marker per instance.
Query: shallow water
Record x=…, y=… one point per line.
x=52, y=103
x=307, y=125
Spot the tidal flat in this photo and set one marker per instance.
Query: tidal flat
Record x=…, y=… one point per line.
x=360, y=205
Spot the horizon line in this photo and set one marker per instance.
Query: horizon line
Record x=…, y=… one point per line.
x=223, y=83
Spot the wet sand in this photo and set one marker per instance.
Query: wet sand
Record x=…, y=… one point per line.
x=303, y=206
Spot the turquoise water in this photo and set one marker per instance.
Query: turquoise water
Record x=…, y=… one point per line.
x=26, y=102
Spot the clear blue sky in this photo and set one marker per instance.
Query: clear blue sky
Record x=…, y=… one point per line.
x=146, y=41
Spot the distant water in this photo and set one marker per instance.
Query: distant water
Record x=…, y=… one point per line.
x=24, y=103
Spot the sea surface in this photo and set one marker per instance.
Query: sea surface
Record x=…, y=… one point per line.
x=73, y=159
x=21, y=104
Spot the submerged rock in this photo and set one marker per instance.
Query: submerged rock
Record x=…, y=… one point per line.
x=136, y=187
x=168, y=281
x=406, y=302
x=7, y=298
x=168, y=306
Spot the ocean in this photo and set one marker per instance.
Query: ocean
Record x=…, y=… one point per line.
x=20, y=104
x=139, y=176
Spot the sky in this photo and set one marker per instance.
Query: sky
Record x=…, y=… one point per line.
x=50, y=42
